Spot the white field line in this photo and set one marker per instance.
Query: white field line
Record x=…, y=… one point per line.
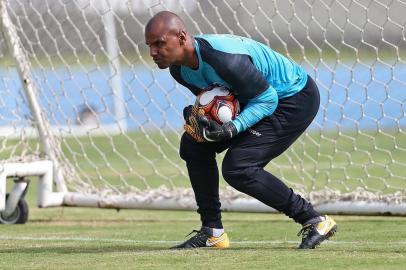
x=112, y=240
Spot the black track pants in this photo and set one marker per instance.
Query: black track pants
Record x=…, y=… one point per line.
x=247, y=155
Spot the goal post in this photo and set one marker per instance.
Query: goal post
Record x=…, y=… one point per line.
x=79, y=92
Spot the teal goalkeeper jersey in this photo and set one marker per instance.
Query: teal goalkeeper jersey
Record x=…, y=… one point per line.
x=256, y=74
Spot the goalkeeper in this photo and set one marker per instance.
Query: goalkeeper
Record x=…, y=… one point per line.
x=279, y=101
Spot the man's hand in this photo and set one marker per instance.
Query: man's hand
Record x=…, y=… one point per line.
x=192, y=127
x=215, y=132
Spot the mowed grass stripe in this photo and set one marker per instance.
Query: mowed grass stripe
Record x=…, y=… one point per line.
x=243, y=242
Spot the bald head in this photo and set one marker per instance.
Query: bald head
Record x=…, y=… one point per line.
x=165, y=21
x=166, y=36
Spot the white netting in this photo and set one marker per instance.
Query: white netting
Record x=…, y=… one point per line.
x=118, y=118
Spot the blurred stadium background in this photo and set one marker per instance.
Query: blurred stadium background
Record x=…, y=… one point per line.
x=355, y=49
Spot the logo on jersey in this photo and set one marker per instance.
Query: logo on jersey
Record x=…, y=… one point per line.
x=254, y=132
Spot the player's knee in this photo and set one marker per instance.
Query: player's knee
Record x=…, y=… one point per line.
x=237, y=177
x=190, y=150
x=186, y=148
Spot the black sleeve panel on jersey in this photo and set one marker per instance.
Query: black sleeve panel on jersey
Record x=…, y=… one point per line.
x=236, y=69
x=175, y=72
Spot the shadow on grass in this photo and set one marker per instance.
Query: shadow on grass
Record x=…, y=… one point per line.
x=102, y=248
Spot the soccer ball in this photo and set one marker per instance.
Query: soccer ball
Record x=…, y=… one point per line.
x=218, y=103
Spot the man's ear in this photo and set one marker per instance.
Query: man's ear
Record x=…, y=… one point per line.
x=182, y=37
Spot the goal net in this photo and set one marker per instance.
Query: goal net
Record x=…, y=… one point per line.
x=78, y=88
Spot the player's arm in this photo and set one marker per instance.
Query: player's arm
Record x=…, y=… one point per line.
x=251, y=86
x=256, y=109
x=247, y=83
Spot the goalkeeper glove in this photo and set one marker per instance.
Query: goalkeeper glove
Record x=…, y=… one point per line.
x=192, y=127
x=215, y=132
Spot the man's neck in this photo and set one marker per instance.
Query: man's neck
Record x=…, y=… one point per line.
x=191, y=60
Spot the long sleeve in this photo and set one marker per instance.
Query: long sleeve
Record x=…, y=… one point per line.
x=256, y=109
x=246, y=81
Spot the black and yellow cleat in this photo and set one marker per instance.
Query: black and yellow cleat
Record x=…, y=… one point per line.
x=202, y=238
x=315, y=233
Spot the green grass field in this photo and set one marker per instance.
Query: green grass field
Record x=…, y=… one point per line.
x=77, y=238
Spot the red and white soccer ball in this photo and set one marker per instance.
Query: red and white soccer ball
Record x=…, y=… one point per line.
x=218, y=103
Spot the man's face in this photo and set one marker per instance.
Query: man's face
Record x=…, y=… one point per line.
x=164, y=48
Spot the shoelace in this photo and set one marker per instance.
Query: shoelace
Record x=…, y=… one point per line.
x=198, y=240
x=305, y=231
x=194, y=231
